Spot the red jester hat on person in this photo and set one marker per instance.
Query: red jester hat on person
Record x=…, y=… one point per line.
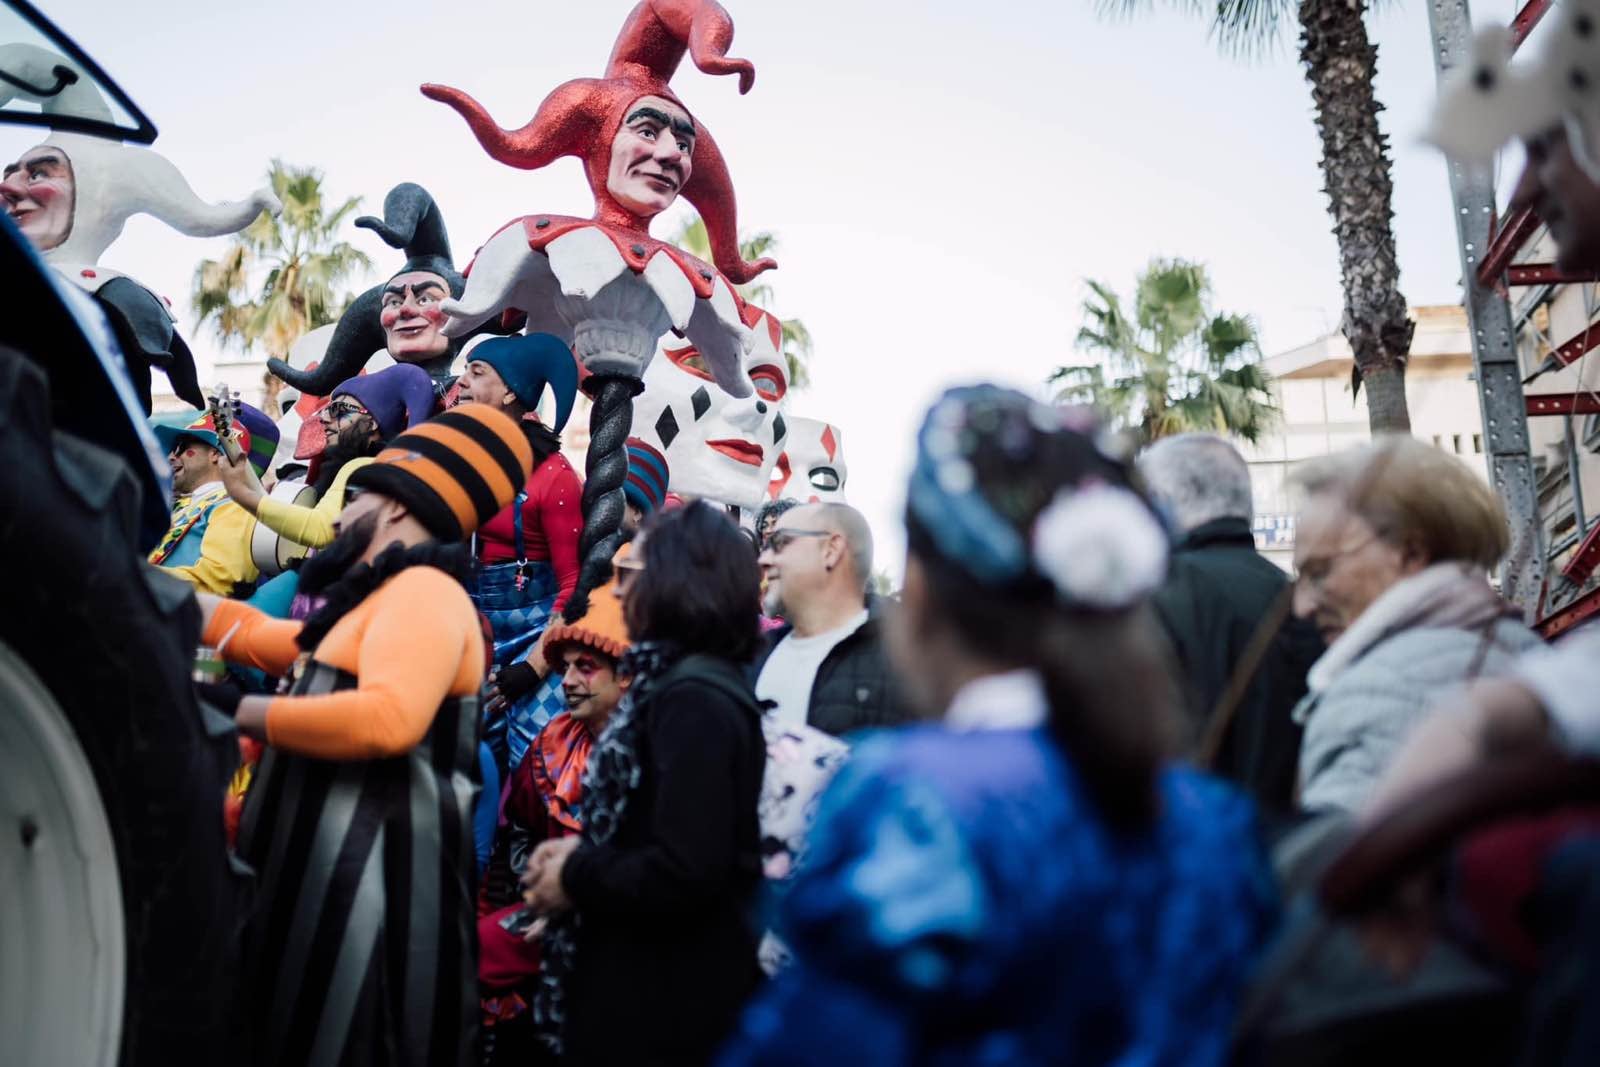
x=581, y=118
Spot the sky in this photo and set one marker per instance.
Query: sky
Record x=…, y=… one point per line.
x=942, y=177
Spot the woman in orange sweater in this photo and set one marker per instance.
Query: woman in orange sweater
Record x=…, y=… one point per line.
x=359, y=823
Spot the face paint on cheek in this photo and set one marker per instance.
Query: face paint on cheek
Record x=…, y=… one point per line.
x=388, y=317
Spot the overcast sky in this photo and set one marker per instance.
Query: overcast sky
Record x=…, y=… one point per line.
x=942, y=176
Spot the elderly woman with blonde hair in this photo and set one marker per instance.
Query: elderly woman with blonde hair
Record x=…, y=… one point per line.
x=1393, y=545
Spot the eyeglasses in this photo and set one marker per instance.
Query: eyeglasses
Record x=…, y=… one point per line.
x=1314, y=572
x=779, y=540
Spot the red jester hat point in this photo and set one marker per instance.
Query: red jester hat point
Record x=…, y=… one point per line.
x=580, y=118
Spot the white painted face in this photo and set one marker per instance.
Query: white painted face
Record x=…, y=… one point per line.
x=812, y=469
x=717, y=447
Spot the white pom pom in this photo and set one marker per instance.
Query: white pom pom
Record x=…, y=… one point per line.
x=1100, y=546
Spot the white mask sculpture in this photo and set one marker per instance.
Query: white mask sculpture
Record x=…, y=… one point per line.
x=718, y=447
x=812, y=468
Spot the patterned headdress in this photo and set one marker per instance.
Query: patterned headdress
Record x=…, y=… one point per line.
x=1019, y=496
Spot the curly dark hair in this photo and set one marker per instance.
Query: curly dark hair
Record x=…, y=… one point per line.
x=770, y=513
x=700, y=587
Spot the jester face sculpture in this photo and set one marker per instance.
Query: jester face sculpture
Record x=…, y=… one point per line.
x=812, y=468
x=412, y=318
x=652, y=156
x=39, y=190
x=716, y=446
x=404, y=316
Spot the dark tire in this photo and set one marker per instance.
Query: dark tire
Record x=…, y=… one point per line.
x=111, y=639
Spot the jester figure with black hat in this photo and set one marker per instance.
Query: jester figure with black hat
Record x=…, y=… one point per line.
x=528, y=553
x=403, y=315
x=603, y=283
x=70, y=197
x=360, y=821
x=208, y=545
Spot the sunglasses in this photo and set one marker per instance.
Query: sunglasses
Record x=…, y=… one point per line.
x=340, y=412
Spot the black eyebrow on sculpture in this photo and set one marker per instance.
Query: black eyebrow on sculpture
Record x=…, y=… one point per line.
x=677, y=125
x=416, y=287
x=12, y=168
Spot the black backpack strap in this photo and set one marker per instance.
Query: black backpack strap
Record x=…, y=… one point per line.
x=717, y=673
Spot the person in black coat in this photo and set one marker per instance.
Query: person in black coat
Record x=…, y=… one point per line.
x=1218, y=591
x=650, y=950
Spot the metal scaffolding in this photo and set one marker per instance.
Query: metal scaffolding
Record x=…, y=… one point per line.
x=1494, y=354
x=1554, y=583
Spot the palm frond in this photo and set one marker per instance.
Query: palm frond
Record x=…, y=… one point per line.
x=1180, y=365
x=1250, y=29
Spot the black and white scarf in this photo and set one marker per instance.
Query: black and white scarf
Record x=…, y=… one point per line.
x=609, y=783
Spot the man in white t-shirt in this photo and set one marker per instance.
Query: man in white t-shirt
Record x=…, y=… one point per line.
x=825, y=668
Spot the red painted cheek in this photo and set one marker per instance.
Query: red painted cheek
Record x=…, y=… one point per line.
x=434, y=314
x=389, y=316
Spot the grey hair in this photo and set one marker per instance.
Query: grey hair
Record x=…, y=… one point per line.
x=1197, y=477
x=852, y=525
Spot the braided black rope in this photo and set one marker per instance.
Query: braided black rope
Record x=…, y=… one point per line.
x=605, y=469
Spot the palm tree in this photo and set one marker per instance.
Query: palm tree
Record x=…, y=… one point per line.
x=1175, y=365
x=1340, y=61
x=692, y=238
x=281, y=277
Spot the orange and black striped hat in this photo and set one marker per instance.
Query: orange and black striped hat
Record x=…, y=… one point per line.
x=456, y=471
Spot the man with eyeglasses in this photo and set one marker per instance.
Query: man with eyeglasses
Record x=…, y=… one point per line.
x=208, y=544
x=361, y=416
x=825, y=667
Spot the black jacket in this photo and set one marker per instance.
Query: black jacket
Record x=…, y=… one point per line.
x=667, y=950
x=854, y=688
x=1218, y=590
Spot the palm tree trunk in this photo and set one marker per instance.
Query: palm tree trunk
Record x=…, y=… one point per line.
x=1340, y=63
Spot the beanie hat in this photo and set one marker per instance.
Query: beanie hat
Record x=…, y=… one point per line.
x=256, y=433
x=601, y=628
x=648, y=474
x=527, y=363
x=399, y=397
x=455, y=472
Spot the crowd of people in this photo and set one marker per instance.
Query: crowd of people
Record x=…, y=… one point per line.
x=1061, y=797
x=1033, y=808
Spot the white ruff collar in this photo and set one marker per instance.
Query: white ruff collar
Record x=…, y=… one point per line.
x=1010, y=700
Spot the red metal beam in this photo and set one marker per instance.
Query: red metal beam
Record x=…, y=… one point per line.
x=1554, y=625
x=1563, y=404
x=1584, y=559
x=1573, y=350
x=1526, y=20
x=1545, y=274
x=1507, y=241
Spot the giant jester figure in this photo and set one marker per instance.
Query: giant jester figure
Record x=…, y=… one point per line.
x=71, y=195
x=603, y=283
x=403, y=315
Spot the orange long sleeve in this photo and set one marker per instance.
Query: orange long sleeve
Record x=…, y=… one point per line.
x=411, y=644
x=253, y=638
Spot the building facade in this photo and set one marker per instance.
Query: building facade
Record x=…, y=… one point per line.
x=1320, y=416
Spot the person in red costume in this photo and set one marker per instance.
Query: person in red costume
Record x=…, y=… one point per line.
x=528, y=552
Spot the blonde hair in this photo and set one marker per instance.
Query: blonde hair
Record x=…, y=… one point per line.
x=1414, y=496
